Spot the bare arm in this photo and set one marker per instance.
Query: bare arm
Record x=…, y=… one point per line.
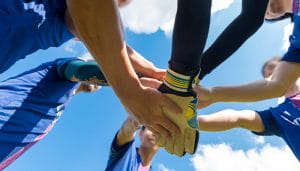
x=107, y=50
x=229, y=119
x=143, y=66
x=127, y=131
x=284, y=76
x=98, y=25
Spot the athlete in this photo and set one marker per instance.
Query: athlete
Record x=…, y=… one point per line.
x=29, y=25
x=124, y=153
x=31, y=103
x=282, y=120
x=285, y=75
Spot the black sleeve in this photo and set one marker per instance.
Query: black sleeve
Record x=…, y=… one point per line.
x=189, y=35
x=232, y=38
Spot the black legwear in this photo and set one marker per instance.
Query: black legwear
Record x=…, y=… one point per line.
x=232, y=38
x=190, y=35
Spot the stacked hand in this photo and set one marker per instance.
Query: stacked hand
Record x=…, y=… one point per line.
x=187, y=139
x=205, y=99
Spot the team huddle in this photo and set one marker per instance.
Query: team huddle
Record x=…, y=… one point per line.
x=161, y=103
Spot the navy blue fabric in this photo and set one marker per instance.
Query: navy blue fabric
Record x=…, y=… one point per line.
x=30, y=105
x=283, y=121
x=29, y=25
x=123, y=158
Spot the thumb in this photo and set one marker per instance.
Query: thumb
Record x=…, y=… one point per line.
x=150, y=82
x=159, y=74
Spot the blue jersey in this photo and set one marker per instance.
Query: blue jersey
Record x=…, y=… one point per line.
x=124, y=158
x=283, y=121
x=30, y=105
x=293, y=54
x=29, y=25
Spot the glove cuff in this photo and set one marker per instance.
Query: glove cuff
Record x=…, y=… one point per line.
x=182, y=84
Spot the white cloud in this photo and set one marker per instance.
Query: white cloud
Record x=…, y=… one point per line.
x=71, y=46
x=149, y=16
x=218, y=5
x=259, y=139
x=87, y=56
x=223, y=158
x=162, y=167
x=288, y=29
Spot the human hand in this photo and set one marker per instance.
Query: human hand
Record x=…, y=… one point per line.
x=149, y=107
x=204, y=97
x=132, y=123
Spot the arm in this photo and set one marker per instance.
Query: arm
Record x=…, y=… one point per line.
x=122, y=142
x=229, y=119
x=127, y=132
x=99, y=27
x=233, y=37
x=108, y=50
x=284, y=76
x=143, y=66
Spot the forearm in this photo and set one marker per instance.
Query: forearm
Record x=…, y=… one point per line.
x=256, y=91
x=220, y=121
x=229, y=119
x=94, y=21
x=139, y=63
x=127, y=132
x=285, y=75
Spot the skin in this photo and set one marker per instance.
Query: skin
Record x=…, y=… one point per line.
x=148, y=147
x=277, y=8
x=111, y=53
x=278, y=85
x=285, y=75
x=247, y=119
x=229, y=119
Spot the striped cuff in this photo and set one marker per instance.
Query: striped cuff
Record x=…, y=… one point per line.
x=179, y=82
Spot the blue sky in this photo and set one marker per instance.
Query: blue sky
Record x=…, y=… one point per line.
x=81, y=139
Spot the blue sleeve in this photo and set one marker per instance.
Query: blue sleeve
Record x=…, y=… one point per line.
x=117, y=151
x=293, y=54
x=270, y=125
x=53, y=30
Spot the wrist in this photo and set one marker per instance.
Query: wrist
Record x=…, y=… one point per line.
x=212, y=94
x=131, y=90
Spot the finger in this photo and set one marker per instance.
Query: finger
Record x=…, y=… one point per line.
x=159, y=140
x=179, y=145
x=170, y=126
x=170, y=106
x=170, y=146
x=191, y=140
x=155, y=132
x=162, y=130
x=149, y=82
x=160, y=74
